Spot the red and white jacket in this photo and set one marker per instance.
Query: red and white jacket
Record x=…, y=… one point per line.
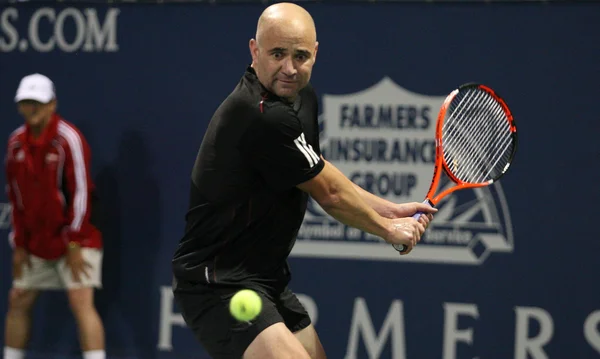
x=50, y=187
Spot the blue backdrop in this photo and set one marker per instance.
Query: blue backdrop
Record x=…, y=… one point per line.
x=506, y=272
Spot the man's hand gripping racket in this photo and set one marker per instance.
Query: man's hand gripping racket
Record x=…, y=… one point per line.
x=475, y=139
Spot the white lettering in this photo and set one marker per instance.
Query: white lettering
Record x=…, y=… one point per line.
x=49, y=29
x=384, y=183
x=12, y=36
x=452, y=335
x=590, y=330
x=79, y=32
x=167, y=319
x=34, y=33
x=104, y=37
x=321, y=230
x=362, y=326
x=531, y=347
x=449, y=236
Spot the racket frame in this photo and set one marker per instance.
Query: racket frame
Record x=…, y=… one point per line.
x=440, y=163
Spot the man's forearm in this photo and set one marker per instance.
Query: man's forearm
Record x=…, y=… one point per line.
x=340, y=199
x=350, y=209
x=382, y=206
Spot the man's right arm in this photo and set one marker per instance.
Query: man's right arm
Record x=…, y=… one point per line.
x=339, y=198
x=276, y=147
x=14, y=197
x=336, y=194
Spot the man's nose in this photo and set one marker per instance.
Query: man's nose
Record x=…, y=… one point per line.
x=288, y=67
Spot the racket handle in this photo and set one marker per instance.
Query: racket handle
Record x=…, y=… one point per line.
x=417, y=215
x=401, y=247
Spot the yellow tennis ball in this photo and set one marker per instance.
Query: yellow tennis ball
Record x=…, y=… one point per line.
x=245, y=305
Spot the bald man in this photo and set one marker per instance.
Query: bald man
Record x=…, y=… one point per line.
x=258, y=163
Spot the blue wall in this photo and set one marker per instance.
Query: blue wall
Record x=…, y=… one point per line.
x=500, y=267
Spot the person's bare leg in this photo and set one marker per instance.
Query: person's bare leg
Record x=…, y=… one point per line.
x=91, y=329
x=276, y=342
x=311, y=342
x=18, y=318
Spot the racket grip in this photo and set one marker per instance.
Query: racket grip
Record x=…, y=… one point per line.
x=417, y=215
x=401, y=247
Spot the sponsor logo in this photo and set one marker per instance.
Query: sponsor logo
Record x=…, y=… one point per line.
x=67, y=30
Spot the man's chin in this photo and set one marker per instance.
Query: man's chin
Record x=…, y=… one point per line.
x=34, y=123
x=287, y=91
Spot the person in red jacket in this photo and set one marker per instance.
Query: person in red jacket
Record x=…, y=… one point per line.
x=55, y=244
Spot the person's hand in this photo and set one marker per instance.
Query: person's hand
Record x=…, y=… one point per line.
x=409, y=209
x=20, y=258
x=76, y=262
x=406, y=231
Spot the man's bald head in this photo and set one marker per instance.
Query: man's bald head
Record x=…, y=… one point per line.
x=285, y=49
x=286, y=16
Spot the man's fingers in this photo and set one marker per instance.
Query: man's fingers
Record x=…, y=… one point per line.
x=416, y=234
x=75, y=273
x=85, y=273
x=85, y=270
x=429, y=218
x=81, y=269
x=426, y=219
x=420, y=228
x=423, y=207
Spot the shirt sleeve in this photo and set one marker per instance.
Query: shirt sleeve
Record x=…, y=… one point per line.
x=78, y=180
x=317, y=144
x=17, y=233
x=279, y=150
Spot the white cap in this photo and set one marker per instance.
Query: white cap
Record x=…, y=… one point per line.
x=35, y=87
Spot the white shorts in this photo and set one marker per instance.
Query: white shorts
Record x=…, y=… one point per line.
x=55, y=274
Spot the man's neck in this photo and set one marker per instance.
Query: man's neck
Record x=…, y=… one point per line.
x=36, y=131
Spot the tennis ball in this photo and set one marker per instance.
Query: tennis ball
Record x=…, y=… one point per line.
x=245, y=305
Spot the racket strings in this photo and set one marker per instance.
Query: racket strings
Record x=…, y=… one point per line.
x=457, y=129
x=472, y=124
x=475, y=155
x=488, y=129
x=465, y=145
x=477, y=138
x=476, y=158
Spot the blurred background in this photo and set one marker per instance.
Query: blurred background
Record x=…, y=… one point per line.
x=510, y=271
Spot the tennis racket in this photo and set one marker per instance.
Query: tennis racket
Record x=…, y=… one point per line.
x=476, y=140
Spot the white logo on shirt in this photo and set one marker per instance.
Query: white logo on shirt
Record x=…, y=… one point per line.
x=20, y=156
x=306, y=150
x=51, y=157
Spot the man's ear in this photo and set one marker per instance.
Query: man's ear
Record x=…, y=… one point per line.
x=253, y=45
x=53, y=105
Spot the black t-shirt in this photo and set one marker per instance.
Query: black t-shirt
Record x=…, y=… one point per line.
x=245, y=209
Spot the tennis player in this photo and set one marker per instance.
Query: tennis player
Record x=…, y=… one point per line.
x=258, y=163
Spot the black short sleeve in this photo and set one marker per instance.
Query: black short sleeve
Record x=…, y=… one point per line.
x=278, y=147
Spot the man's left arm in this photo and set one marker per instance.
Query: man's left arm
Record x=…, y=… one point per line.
x=77, y=178
x=389, y=209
